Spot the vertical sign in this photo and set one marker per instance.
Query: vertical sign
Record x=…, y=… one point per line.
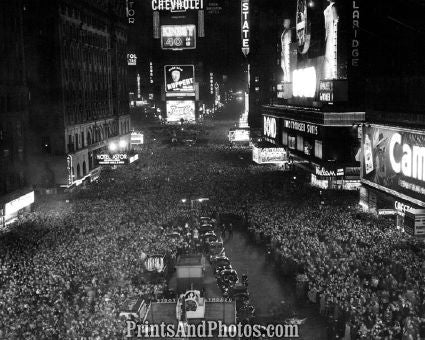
x=156, y=34
x=69, y=169
x=138, y=86
x=151, y=72
x=201, y=26
x=130, y=11
x=356, y=31
x=211, y=83
x=245, y=33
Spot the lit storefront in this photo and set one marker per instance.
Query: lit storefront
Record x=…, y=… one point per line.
x=317, y=144
x=393, y=171
x=12, y=205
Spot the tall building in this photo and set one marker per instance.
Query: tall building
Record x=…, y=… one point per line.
x=76, y=57
x=319, y=100
x=393, y=138
x=13, y=109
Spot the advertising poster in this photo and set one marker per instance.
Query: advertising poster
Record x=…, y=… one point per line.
x=179, y=78
x=181, y=37
x=180, y=109
x=394, y=160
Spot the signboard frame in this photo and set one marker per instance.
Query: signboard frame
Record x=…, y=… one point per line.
x=163, y=47
x=186, y=101
x=376, y=147
x=192, y=89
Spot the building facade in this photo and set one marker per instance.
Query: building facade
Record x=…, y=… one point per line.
x=318, y=105
x=77, y=75
x=393, y=136
x=13, y=108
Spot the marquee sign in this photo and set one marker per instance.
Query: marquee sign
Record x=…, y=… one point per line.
x=239, y=135
x=245, y=29
x=177, y=5
x=394, y=161
x=179, y=78
x=269, y=155
x=115, y=159
x=19, y=203
x=178, y=37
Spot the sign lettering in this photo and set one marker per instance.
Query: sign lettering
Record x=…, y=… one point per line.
x=177, y=5
x=270, y=127
x=245, y=28
x=302, y=127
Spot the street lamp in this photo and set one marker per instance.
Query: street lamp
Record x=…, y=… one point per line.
x=113, y=147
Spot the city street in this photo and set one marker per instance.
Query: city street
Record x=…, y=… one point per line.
x=79, y=260
x=223, y=169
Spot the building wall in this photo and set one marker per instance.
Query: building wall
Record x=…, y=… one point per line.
x=81, y=98
x=13, y=98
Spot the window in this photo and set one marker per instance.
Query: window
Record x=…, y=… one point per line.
x=318, y=149
x=300, y=143
x=284, y=138
x=291, y=142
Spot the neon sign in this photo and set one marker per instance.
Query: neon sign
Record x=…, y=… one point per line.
x=178, y=37
x=245, y=30
x=270, y=129
x=177, y=5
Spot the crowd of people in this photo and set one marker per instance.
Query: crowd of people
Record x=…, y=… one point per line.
x=67, y=267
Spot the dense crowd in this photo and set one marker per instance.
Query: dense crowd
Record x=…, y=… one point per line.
x=67, y=267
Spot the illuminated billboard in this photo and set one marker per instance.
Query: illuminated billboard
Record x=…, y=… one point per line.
x=177, y=5
x=115, y=159
x=245, y=30
x=179, y=78
x=239, y=135
x=269, y=155
x=175, y=37
x=180, y=109
x=304, y=82
x=131, y=59
x=394, y=161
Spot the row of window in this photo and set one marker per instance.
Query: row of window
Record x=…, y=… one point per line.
x=12, y=103
x=75, y=116
x=303, y=145
x=87, y=19
x=78, y=140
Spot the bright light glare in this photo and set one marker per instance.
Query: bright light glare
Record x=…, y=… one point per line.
x=184, y=200
x=113, y=147
x=123, y=144
x=304, y=82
